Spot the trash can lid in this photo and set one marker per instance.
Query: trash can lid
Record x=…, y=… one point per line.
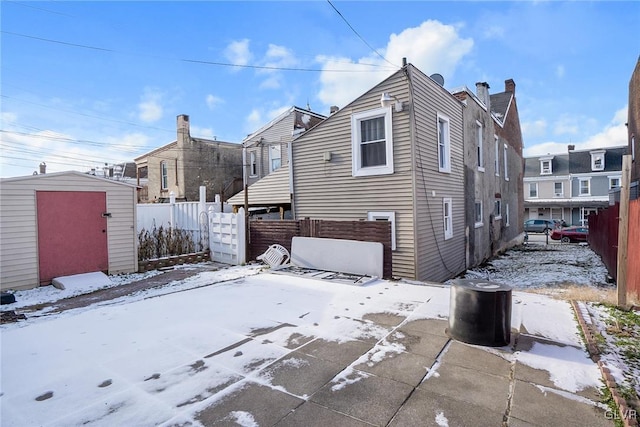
x=481, y=285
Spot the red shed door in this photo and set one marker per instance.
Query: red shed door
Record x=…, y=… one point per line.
x=72, y=233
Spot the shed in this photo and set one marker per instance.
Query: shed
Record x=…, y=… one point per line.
x=62, y=224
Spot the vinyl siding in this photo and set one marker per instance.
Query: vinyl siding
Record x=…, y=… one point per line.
x=18, y=224
x=437, y=259
x=327, y=190
x=279, y=134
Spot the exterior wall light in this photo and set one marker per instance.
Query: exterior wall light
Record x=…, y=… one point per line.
x=386, y=100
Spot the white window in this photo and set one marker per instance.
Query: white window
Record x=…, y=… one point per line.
x=506, y=215
x=597, y=160
x=496, y=162
x=385, y=216
x=614, y=183
x=447, y=213
x=506, y=163
x=497, y=209
x=253, y=165
x=164, y=176
x=372, y=143
x=585, y=187
x=533, y=190
x=479, y=154
x=444, y=144
x=275, y=157
x=558, y=189
x=545, y=167
x=584, y=217
x=478, y=221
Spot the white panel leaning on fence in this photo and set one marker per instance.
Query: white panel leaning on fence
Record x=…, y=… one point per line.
x=227, y=237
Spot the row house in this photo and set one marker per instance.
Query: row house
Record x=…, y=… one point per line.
x=406, y=151
x=181, y=167
x=493, y=170
x=572, y=185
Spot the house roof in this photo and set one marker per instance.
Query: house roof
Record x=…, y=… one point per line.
x=44, y=176
x=271, y=190
x=500, y=104
x=580, y=161
x=175, y=143
x=285, y=114
x=559, y=165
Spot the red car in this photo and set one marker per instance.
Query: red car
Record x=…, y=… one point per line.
x=570, y=234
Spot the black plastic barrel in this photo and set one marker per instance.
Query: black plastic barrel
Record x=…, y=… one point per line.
x=480, y=312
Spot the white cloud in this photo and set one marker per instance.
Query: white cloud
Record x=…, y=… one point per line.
x=493, y=32
x=567, y=125
x=237, y=52
x=200, y=132
x=560, y=71
x=280, y=56
x=534, y=129
x=433, y=47
x=213, y=101
x=150, y=108
x=614, y=134
x=260, y=117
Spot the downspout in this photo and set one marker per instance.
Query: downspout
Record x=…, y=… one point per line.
x=414, y=166
x=291, y=193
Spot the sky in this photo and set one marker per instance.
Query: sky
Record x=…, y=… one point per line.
x=84, y=84
x=103, y=372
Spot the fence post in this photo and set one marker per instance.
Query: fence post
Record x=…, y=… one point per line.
x=242, y=249
x=172, y=207
x=623, y=230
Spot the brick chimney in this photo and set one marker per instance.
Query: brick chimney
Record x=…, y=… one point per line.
x=482, y=92
x=184, y=137
x=510, y=86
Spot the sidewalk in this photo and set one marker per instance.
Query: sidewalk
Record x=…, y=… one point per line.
x=271, y=350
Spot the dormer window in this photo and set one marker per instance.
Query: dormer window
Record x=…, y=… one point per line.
x=546, y=166
x=597, y=160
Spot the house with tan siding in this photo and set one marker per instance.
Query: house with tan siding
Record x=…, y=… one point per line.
x=267, y=149
x=396, y=153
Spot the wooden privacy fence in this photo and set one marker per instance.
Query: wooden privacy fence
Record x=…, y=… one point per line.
x=262, y=234
x=603, y=239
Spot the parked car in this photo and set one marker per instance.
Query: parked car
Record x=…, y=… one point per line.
x=570, y=234
x=539, y=225
x=560, y=223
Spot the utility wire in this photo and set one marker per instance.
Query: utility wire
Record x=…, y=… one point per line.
x=195, y=61
x=360, y=37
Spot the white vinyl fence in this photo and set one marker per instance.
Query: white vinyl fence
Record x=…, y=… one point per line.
x=227, y=237
x=221, y=233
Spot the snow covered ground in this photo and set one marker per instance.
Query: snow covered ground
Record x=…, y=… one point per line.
x=155, y=358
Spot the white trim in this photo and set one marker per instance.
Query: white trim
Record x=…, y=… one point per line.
x=272, y=148
x=447, y=217
x=389, y=216
x=506, y=215
x=561, y=193
x=529, y=191
x=444, y=165
x=253, y=163
x=477, y=223
x=479, y=148
x=496, y=163
x=506, y=163
x=356, y=167
x=580, y=181
x=497, y=202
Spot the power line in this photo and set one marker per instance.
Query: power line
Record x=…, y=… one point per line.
x=196, y=61
x=360, y=37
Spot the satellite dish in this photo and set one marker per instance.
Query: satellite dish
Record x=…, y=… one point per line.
x=437, y=78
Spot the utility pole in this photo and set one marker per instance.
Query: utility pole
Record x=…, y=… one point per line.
x=623, y=231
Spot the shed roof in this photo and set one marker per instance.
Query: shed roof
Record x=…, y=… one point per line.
x=65, y=173
x=271, y=190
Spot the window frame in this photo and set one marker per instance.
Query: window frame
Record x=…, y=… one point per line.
x=536, y=187
x=253, y=164
x=580, y=181
x=356, y=153
x=496, y=164
x=497, y=209
x=480, y=223
x=385, y=215
x=546, y=171
x=444, y=164
x=447, y=217
x=561, y=193
x=273, y=148
x=479, y=151
x=614, y=178
x=506, y=215
x=506, y=162
x=164, y=175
